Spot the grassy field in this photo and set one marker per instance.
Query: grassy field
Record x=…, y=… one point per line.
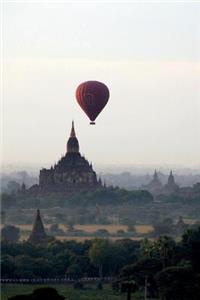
x=112, y=228
x=84, y=238
x=89, y=293
x=90, y=228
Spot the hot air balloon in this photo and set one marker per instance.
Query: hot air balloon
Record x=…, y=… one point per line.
x=92, y=96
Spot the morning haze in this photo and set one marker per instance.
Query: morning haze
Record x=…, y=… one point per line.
x=108, y=211
x=148, y=56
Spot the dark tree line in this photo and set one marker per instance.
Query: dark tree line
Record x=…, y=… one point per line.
x=105, y=196
x=171, y=269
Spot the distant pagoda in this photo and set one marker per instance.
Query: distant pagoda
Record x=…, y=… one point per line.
x=71, y=173
x=156, y=188
x=171, y=186
x=155, y=185
x=38, y=235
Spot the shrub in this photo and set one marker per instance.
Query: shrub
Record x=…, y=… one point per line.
x=78, y=285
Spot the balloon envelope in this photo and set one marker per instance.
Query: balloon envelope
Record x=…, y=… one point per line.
x=92, y=96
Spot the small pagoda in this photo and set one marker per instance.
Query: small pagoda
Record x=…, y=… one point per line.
x=38, y=235
x=155, y=186
x=171, y=187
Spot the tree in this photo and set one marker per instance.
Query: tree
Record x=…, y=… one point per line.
x=10, y=233
x=100, y=254
x=24, y=266
x=55, y=247
x=13, y=186
x=7, y=200
x=83, y=262
x=177, y=283
x=7, y=266
x=74, y=272
x=142, y=269
x=165, y=246
x=130, y=249
x=191, y=247
x=129, y=287
x=60, y=262
x=162, y=248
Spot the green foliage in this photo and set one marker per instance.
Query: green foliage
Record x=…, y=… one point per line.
x=163, y=249
x=99, y=285
x=100, y=254
x=13, y=186
x=108, y=196
x=177, y=283
x=129, y=287
x=10, y=233
x=191, y=247
x=74, y=272
x=25, y=260
x=7, y=266
x=8, y=200
x=108, y=256
x=172, y=268
x=142, y=270
x=78, y=285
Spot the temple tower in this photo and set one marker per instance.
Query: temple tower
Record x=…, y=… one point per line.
x=38, y=235
x=171, y=180
x=171, y=186
x=155, y=185
x=73, y=144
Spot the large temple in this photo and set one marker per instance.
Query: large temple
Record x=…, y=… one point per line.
x=71, y=172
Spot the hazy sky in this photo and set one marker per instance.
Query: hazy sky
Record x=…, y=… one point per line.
x=147, y=54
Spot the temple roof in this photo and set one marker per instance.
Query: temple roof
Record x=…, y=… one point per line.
x=72, y=161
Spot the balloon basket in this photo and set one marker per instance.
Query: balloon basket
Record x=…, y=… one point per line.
x=92, y=123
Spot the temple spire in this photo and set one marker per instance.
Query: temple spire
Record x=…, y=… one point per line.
x=73, y=133
x=171, y=180
x=155, y=176
x=38, y=234
x=72, y=144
